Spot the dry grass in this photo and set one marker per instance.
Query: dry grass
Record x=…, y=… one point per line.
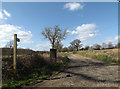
x=110, y=55
x=47, y=56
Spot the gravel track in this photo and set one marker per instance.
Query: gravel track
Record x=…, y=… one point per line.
x=84, y=72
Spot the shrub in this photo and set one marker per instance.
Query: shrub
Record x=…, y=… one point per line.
x=82, y=53
x=29, y=69
x=74, y=52
x=103, y=57
x=94, y=57
x=113, y=61
x=25, y=65
x=118, y=60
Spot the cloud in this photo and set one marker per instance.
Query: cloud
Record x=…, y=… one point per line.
x=4, y=15
x=73, y=6
x=42, y=47
x=85, y=32
x=113, y=40
x=7, y=32
x=2, y=45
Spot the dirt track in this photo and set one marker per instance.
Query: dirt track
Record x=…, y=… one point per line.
x=84, y=72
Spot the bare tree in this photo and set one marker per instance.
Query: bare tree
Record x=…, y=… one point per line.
x=58, y=46
x=96, y=46
x=104, y=45
x=86, y=47
x=71, y=48
x=76, y=44
x=54, y=34
x=110, y=45
x=9, y=44
x=65, y=49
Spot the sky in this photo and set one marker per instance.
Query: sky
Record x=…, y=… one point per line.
x=90, y=22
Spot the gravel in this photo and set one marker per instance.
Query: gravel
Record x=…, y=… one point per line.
x=84, y=72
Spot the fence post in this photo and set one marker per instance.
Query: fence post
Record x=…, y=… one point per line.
x=15, y=52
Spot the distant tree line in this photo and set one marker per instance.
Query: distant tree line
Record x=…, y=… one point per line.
x=76, y=45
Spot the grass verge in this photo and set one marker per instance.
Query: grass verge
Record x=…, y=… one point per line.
x=40, y=73
x=93, y=54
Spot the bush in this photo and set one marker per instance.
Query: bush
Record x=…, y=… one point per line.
x=25, y=65
x=103, y=57
x=113, y=61
x=29, y=69
x=74, y=52
x=82, y=53
x=100, y=57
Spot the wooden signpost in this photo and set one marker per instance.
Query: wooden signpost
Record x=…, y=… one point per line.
x=15, y=51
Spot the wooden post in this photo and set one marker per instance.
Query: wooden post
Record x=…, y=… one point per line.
x=15, y=51
x=53, y=55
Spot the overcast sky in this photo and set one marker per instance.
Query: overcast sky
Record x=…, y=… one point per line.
x=91, y=22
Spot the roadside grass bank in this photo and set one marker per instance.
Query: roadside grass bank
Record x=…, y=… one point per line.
x=30, y=69
x=109, y=55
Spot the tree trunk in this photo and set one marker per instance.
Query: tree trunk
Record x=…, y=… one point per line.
x=52, y=46
x=77, y=48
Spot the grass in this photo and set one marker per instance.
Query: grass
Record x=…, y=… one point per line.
x=109, y=55
x=100, y=57
x=40, y=73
